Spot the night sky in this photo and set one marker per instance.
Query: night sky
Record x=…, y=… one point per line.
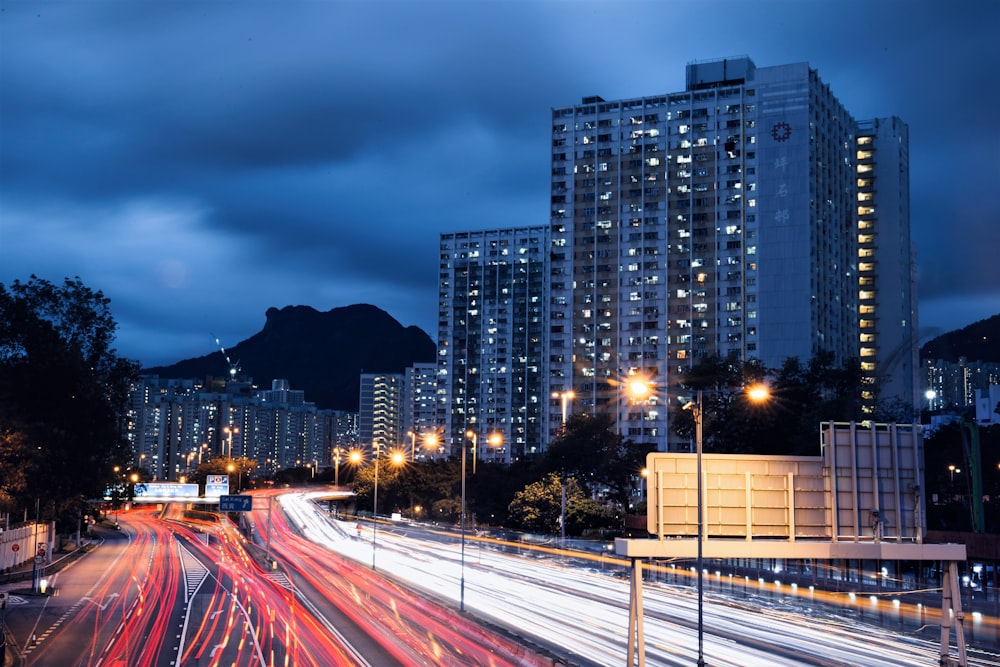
x=199, y=162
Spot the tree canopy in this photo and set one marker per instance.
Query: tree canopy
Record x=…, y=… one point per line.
x=63, y=392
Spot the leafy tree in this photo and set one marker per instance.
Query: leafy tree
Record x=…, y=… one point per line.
x=539, y=507
x=600, y=459
x=63, y=393
x=802, y=398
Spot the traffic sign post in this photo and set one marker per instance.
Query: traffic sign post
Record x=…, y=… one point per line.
x=235, y=503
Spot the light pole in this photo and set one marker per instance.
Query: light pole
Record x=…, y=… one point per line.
x=336, y=465
x=696, y=414
x=375, y=452
x=471, y=435
x=757, y=393
x=396, y=458
x=474, y=437
x=565, y=397
x=230, y=430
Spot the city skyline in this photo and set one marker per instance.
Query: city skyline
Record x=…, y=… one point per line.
x=235, y=158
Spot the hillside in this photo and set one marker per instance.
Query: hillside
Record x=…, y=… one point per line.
x=979, y=341
x=320, y=353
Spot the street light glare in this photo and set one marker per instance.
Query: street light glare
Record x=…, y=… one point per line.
x=639, y=388
x=758, y=392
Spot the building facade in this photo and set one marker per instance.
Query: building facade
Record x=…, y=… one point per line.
x=720, y=220
x=492, y=342
x=380, y=413
x=177, y=424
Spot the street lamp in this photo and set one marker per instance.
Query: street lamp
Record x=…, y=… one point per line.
x=471, y=435
x=494, y=440
x=430, y=441
x=230, y=430
x=474, y=437
x=396, y=458
x=565, y=397
x=757, y=393
x=233, y=468
x=336, y=465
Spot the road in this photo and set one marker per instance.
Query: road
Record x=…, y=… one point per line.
x=188, y=589
x=584, y=614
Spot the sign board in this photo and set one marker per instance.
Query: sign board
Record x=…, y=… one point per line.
x=15, y=547
x=864, y=485
x=235, y=503
x=165, y=490
x=216, y=486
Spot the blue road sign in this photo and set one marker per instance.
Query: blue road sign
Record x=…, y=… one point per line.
x=235, y=503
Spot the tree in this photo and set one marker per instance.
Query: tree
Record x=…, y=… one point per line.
x=63, y=392
x=601, y=460
x=539, y=507
x=802, y=398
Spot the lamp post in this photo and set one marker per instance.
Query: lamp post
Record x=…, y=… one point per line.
x=375, y=452
x=757, y=393
x=396, y=458
x=565, y=397
x=474, y=437
x=230, y=430
x=471, y=435
x=336, y=465
x=696, y=413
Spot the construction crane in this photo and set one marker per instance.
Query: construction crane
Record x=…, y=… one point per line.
x=233, y=368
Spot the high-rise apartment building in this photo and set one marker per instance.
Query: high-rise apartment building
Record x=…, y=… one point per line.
x=380, y=413
x=492, y=341
x=720, y=220
x=887, y=295
x=420, y=420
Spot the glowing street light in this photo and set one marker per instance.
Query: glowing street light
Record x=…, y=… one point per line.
x=396, y=458
x=757, y=393
x=565, y=397
x=229, y=431
x=471, y=435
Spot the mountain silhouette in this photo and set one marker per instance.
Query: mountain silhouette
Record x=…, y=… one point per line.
x=980, y=341
x=322, y=354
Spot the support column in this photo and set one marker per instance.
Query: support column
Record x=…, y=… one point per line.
x=636, y=630
x=952, y=616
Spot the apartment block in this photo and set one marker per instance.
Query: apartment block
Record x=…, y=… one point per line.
x=721, y=220
x=493, y=343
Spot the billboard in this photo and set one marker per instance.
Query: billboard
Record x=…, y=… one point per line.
x=216, y=486
x=863, y=486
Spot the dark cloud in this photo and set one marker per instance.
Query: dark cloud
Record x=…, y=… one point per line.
x=200, y=162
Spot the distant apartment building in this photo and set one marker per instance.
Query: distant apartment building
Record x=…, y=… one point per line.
x=886, y=267
x=723, y=220
x=177, y=424
x=493, y=342
x=380, y=413
x=420, y=411
x=961, y=386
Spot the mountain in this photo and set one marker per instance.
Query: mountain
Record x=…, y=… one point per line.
x=321, y=353
x=979, y=341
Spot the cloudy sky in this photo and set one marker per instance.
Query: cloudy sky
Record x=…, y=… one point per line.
x=201, y=161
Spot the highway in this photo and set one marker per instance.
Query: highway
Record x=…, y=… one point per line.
x=583, y=613
x=188, y=589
